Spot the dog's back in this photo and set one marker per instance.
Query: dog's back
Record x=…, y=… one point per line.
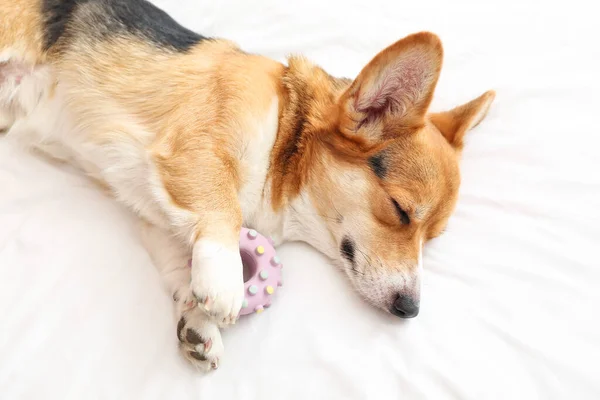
x=35, y=27
x=132, y=62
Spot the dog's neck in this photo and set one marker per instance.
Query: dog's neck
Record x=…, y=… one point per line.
x=307, y=100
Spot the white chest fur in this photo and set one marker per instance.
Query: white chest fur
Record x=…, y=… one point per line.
x=255, y=196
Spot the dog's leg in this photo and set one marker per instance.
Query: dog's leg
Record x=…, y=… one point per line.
x=199, y=336
x=203, y=208
x=217, y=274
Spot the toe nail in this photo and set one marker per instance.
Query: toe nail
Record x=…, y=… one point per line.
x=214, y=365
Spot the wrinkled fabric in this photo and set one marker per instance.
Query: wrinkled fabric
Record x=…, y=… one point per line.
x=510, y=294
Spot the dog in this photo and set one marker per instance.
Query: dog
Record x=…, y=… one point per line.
x=199, y=138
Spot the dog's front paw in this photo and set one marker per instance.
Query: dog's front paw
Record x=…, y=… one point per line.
x=200, y=339
x=218, y=281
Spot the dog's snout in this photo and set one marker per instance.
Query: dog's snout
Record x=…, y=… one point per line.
x=405, y=307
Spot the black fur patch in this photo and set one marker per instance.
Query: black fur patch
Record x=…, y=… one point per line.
x=403, y=215
x=118, y=17
x=150, y=22
x=198, y=356
x=377, y=164
x=180, y=326
x=192, y=337
x=57, y=14
x=347, y=249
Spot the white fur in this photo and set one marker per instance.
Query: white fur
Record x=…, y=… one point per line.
x=121, y=160
x=304, y=223
x=483, y=110
x=44, y=121
x=217, y=278
x=255, y=194
x=38, y=112
x=182, y=220
x=170, y=257
x=6, y=119
x=419, y=273
x=212, y=349
x=21, y=87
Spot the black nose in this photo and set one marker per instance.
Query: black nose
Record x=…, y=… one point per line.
x=405, y=307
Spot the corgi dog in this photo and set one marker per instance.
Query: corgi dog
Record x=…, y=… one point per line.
x=200, y=138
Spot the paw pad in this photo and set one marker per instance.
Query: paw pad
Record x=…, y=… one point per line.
x=192, y=337
x=197, y=356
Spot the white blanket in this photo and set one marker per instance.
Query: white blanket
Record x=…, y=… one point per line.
x=511, y=291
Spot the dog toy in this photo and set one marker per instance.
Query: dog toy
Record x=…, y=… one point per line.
x=262, y=271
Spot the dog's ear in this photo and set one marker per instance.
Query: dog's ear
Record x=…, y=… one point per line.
x=396, y=86
x=455, y=123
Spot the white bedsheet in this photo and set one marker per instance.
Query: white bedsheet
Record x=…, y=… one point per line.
x=511, y=290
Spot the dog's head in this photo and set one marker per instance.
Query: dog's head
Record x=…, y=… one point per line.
x=388, y=178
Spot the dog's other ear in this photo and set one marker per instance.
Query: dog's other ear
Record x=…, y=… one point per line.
x=396, y=86
x=455, y=123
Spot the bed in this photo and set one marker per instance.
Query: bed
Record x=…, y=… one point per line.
x=511, y=291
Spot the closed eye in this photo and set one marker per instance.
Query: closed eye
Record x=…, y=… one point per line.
x=401, y=213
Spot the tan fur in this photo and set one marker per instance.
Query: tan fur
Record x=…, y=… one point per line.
x=20, y=29
x=194, y=114
x=195, y=148
x=308, y=94
x=455, y=123
x=423, y=176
